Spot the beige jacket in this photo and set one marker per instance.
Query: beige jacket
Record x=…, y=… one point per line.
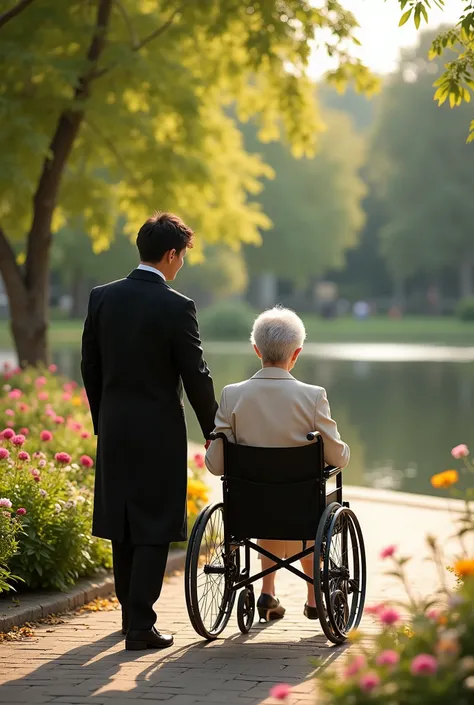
x=275, y=410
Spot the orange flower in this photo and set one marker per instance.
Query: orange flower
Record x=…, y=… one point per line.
x=445, y=479
x=464, y=567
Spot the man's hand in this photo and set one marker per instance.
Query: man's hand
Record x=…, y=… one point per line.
x=207, y=444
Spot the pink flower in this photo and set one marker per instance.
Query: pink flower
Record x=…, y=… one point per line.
x=76, y=426
x=18, y=440
x=85, y=434
x=25, y=431
x=43, y=396
x=42, y=464
x=21, y=511
x=23, y=408
x=63, y=458
x=53, y=369
x=4, y=502
x=460, y=451
x=58, y=419
x=67, y=396
x=40, y=381
x=4, y=454
x=280, y=691
x=433, y=614
x=369, y=681
x=15, y=394
x=68, y=388
x=23, y=455
x=374, y=609
x=6, y=367
x=36, y=478
x=354, y=666
x=424, y=665
x=35, y=472
x=199, y=460
x=38, y=454
x=389, y=616
x=51, y=413
x=86, y=461
x=388, y=551
x=9, y=412
x=8, y=434
x=388, y=658
x=46, y=436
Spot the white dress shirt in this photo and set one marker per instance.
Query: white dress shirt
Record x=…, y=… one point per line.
x=154, y=270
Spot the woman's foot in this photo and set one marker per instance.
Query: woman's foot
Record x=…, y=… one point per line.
x=310, y=612
x=269, y=608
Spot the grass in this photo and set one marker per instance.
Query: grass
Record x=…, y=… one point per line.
x=422, y=330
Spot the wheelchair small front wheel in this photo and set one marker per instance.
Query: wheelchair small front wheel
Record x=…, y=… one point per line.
x=246, y=610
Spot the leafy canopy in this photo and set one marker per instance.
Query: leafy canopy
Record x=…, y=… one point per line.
x=157, y=127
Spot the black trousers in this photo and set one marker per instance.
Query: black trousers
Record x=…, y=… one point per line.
x=139, y=572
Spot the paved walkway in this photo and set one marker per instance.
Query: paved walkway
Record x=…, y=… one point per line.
x=83, y=660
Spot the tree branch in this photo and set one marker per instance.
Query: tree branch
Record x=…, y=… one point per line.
x=15, y=10
x=45, y=198
x=143, y=42
x=128, y=22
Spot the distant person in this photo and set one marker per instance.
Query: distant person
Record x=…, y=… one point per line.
x=275, y=410
x=140, y=346
x=361, y=310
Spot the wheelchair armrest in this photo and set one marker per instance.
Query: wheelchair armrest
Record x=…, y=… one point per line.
x=215, y=436
x=313, y=435
x=331, y=471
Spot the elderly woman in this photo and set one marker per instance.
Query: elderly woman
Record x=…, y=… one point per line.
x=275, y=410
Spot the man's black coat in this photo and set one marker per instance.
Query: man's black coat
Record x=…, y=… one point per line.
x=140, y=346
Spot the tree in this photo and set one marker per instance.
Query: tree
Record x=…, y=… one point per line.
x=112, y=107
x=423, y=173
x=314, y=204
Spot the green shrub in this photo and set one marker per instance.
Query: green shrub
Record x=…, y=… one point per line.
x=230, y=320
x=465, y=309
x=46, y=483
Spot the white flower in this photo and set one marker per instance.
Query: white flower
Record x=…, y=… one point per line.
x=69, y=505
x=6, y=388
x=80, y=499
x=4, y=502
x=57, y=508
x=75, y=466
x=43, y=493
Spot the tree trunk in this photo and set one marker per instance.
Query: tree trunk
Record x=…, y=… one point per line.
x=466, y=280
x=79, y=293
x=29, y=332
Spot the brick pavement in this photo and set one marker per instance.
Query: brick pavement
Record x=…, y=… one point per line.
x=83, y=661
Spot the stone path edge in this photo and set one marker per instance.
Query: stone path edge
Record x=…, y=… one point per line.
x=38, y=605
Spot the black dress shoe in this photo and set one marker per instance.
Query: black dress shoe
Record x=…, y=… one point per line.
x=152, y=639
x=310, y=612
x=269, y=608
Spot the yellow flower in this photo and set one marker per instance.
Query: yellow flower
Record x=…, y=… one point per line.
x=76, y=401
x=464, y=567
x=408, y=631
x=354, y=636
x=445, y=479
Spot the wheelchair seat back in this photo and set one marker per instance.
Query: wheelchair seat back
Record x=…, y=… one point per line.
x=274, y=493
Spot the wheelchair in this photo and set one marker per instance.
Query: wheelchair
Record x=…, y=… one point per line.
x=275, y=493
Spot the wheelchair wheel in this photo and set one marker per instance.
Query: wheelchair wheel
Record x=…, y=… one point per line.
x=209, y=574
x=246, y=610
x=340, y=592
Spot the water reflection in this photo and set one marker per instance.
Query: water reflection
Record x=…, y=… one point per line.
x=401, y=418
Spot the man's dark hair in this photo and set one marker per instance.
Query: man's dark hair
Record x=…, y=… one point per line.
x=161, y=233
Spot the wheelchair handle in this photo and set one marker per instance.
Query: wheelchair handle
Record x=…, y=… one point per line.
x=215, y=436
x=313, y=435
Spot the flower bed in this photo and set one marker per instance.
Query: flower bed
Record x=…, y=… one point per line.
x=47, y=452
x=423, y=653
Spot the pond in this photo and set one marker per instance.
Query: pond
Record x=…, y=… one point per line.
x=400, y=408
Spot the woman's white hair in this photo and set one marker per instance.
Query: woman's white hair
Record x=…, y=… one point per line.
x=277, y=333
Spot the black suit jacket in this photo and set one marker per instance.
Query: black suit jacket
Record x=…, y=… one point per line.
x=140, y=346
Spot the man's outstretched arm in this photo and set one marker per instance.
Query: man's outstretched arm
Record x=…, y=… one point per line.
x=193, y=369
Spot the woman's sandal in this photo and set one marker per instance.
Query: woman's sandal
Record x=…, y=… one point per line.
x=269, y=608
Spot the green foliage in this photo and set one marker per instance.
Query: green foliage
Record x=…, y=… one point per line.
x=421, y=171
x=231, y=320
x=466, y=309
x=220, y=275
x=156, y=131
x=9, y=529
x=313, y=203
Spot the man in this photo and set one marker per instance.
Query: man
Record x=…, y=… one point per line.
x=140, y=346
